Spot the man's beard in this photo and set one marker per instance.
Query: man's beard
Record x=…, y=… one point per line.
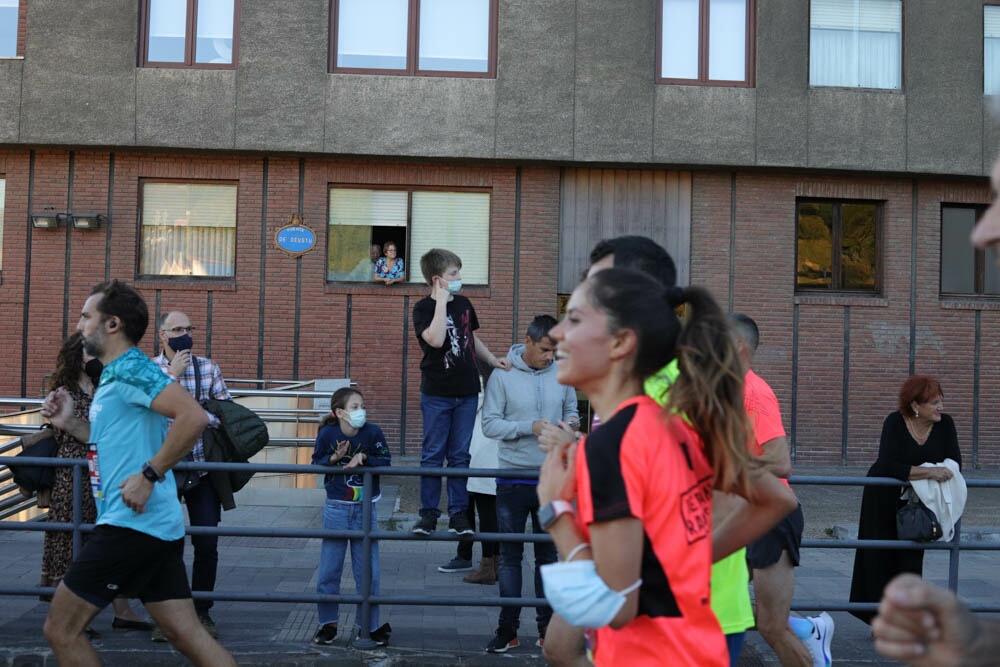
x=93, y=348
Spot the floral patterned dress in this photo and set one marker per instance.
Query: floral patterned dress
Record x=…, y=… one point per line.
x=57, y=553
x=382, y=271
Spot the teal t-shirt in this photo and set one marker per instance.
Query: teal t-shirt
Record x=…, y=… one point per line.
x=128, y=433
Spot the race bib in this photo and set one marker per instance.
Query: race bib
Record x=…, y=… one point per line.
x=94, y=470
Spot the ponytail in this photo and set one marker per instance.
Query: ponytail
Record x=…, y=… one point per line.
x=709, y=389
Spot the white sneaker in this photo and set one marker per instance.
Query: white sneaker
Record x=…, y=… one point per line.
x=819, y=640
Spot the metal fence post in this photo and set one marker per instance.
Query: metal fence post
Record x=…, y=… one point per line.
x=364, y=640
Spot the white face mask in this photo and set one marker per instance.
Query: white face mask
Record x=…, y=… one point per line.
x=455, y=286
x=578, y=594
x=357, y=418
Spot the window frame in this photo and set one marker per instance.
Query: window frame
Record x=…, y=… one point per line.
x=165, y=277
x=190, y=39
x=413, y=274
x=413, y=47
x=750, y=56
x=978, y=258
x=836, y=241
x=902, y=59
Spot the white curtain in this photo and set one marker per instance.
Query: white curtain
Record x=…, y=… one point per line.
x=188, y=230
x=991, y=49
x=456, y=221
x=856, y=43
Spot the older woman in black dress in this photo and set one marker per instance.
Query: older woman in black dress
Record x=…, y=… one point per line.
x=918, y=432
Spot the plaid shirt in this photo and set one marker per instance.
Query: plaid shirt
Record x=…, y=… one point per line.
x=212, y=386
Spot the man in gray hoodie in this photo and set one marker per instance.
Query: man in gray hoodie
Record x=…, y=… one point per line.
x=516, y=407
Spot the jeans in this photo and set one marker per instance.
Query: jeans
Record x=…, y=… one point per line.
x=338, y=515
x=448, y=424
x=486, y=505
x=204, y=509
x=515, y=503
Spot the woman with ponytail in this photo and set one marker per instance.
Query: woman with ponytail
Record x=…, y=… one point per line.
x=638, y=547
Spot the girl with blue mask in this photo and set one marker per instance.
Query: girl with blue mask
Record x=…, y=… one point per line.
x=346, y=440
x=630, y=506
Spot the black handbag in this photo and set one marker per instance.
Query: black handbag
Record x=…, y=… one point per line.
x=915, y=521
x=41, y=444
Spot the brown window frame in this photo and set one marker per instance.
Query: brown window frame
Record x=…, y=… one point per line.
x=836, y=241
x=190, y=39
x=703, y=34
x=978, y=255
x=413, y=47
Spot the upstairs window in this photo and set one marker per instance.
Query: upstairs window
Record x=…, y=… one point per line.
x=965, y=270
x=9, y=11
x=416, y=37
x=188, y=229
x=856, y=43
x=991, y=49
x=3, y=196
x=837, y=248
x=705, y=42
x=189, y=33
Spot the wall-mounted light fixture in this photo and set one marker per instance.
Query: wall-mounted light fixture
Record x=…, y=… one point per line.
x=88, y=220
x=48, y=220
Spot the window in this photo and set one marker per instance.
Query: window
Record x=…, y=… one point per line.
x=432, y=37
x=991, y=49
x=8, y=28
x=705, y=41
x=837, y=245
x=188, y=229
x=856, y=43
x=189, y=33
x=3, y=199
x=964, y=269
x=415, y=221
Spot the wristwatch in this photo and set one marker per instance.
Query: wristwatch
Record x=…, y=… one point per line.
x=548, y=514
x=149, y=472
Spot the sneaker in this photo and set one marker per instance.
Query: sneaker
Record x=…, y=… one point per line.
x=459, y=524
x=540, y=643
x=456, y=564
x=426, y=525
x=158, y=636
x=381, y=634
x=326, y=634
x=208, y=624
x=819, y=640
x=505, y=638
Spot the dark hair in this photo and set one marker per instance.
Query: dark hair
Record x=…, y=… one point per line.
x=745, y=328
x=390, y=243
x=338, y=402
x=540, y=327
x=709, y=389
x=436, y=261
x=69, y=364
x=124, y=302
x=918, y=389
x=640, y=253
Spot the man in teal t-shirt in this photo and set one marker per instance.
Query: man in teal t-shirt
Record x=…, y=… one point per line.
x=137, y=546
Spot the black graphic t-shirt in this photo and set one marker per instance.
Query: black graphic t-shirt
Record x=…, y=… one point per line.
x=449, y=370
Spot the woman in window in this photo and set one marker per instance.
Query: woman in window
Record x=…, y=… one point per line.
x=389, y=268
x=637, y=553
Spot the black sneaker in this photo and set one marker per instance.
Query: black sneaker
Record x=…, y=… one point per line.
x=426, y=525
x=381, y=634
x=326, y=634
x=456, y=564
x=504, y=639
x=459, y=524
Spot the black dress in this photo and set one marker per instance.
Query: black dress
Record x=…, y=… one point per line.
x=897, y=452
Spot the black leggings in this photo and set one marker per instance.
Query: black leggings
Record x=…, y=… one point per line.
x=486, y=505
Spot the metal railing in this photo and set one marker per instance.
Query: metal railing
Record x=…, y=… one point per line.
x=369, y=536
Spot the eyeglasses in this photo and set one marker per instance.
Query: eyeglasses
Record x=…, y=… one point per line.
x=180, y=330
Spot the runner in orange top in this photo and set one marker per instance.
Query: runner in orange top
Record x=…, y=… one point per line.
x=636, y=561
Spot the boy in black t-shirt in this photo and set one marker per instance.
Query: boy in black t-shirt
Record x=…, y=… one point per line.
x=449, y=386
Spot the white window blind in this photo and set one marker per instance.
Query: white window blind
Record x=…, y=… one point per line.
x=372, y=33
x=679, y=57
x=855, y=43
x=991, y=49
x=456, y=221
x=3, y=198
x=188, y=229
x=370, y=208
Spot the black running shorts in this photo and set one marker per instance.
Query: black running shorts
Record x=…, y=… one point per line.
x=786, y=536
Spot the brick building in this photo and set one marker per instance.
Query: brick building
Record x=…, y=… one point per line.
x=816, y=164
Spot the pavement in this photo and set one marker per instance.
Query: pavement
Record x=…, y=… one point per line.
x=279, y=633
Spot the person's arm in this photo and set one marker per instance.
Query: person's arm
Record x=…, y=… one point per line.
x=768, y=502
x=776, y=457
x=494, y=407
x=890, y=455
x=189, y=420
x=484, y=354
x=58, y=409
x=377, y=453
x=219, y=390
x=436, y=331
x=570, y=410
x=923, y=625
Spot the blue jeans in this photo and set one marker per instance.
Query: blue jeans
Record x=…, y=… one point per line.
x=204, y=509
x=339, y=515
x=448, y=424
x=515, y=503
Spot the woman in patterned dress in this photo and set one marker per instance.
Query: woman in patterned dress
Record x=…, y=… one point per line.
x=389, y=269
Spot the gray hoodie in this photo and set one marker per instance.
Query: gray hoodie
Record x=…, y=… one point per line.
x=516, y=398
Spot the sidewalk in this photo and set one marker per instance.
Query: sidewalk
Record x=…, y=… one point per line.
x=279, y=633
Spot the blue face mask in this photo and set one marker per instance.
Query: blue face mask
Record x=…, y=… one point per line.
x=356, y=418
x=180, y=343
x=455, y=286
x=578, y=594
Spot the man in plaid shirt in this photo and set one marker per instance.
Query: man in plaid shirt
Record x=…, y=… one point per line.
x=203, y=505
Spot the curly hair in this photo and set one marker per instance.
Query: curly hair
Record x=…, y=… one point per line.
x=69, y=364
